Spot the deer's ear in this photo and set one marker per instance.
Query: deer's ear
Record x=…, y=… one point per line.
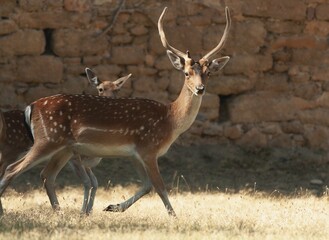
x=119, y=83
x=175, y=60
x=218, y=63
x=92, y=78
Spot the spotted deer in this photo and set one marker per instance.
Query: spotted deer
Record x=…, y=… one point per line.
x=16, y=139
x=142, y=129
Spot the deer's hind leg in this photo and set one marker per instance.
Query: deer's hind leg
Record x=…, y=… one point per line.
x=39, y=152
x=50, y=172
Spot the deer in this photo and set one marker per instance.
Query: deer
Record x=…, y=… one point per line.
x=16, y=138
x=96, y=126
x=81, y=164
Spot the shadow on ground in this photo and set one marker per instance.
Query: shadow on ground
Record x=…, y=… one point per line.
x=215, y=168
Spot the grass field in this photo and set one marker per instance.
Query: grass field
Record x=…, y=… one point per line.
x=204, y=215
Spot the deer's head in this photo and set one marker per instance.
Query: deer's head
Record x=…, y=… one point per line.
x=196, y=72
x=106, y=88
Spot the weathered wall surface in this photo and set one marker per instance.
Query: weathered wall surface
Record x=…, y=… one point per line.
x=274, y=92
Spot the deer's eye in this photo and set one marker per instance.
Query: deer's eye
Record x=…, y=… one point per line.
x=100, y=90
x=186, y=74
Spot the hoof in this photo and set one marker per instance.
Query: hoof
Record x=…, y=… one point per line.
x=113, y=208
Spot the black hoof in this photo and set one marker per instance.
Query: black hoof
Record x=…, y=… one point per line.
x=113, y=208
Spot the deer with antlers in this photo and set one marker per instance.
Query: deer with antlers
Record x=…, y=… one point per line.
x=97, y=126
x=16, y=139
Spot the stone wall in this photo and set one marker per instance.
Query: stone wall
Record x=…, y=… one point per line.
x=273, y=93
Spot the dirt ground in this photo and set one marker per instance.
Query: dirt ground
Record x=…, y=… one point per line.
x=214, y=168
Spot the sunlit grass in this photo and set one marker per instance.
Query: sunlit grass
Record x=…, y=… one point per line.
x=200, y=216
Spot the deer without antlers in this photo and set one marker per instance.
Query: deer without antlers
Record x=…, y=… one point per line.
x=138, y=128
x=15, y=140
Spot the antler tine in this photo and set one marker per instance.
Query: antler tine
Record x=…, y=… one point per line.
x=224, y=37
x=163, y=37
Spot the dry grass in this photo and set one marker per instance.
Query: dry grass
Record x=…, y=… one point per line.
x=200, y=216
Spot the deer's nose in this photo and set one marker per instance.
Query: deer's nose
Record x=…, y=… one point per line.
x=200, y=89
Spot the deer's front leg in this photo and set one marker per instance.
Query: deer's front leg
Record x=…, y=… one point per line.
x=146, y=188
x=158, y=184
x=94, y=186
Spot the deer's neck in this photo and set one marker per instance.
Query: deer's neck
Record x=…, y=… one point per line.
x=184, y=110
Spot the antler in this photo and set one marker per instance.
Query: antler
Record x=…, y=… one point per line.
x=224, y=37
x=163, y=37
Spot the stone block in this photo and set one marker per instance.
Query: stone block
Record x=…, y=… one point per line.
x=280, y=9
x=227, y=85
x=233, y=132
x=317, y=28
x=40, y=91
x=210, y=101
x=292, y=127
x=127, y=55
x=78, y=43
x=8, y=97
x=176, y=82
x=317, y=137
x=32, y=5
x=248, y=63
x=139, y=30
x=322, y=11
x=163, y=63
x=32, y=69
x=144, y=84
x=310, y=57
x=282, y=27
x=155, y=45
x=7, y=26
x=53, y=20
x=320, y=73
x=7, y=7
x=210, y=106
x=141, y=71
x=92, y=60
x=247, y=37
x=265, y=106
x=281, y=141
x=273, y=82
x=121, y=39
x=308, y=90
x=107, y=71
x=317, y=116
x=75, y=85
x=22, y=42
x=310, y=42
x=77, y=5
x=253, y=139
x=181, y=37
x=8, y=72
